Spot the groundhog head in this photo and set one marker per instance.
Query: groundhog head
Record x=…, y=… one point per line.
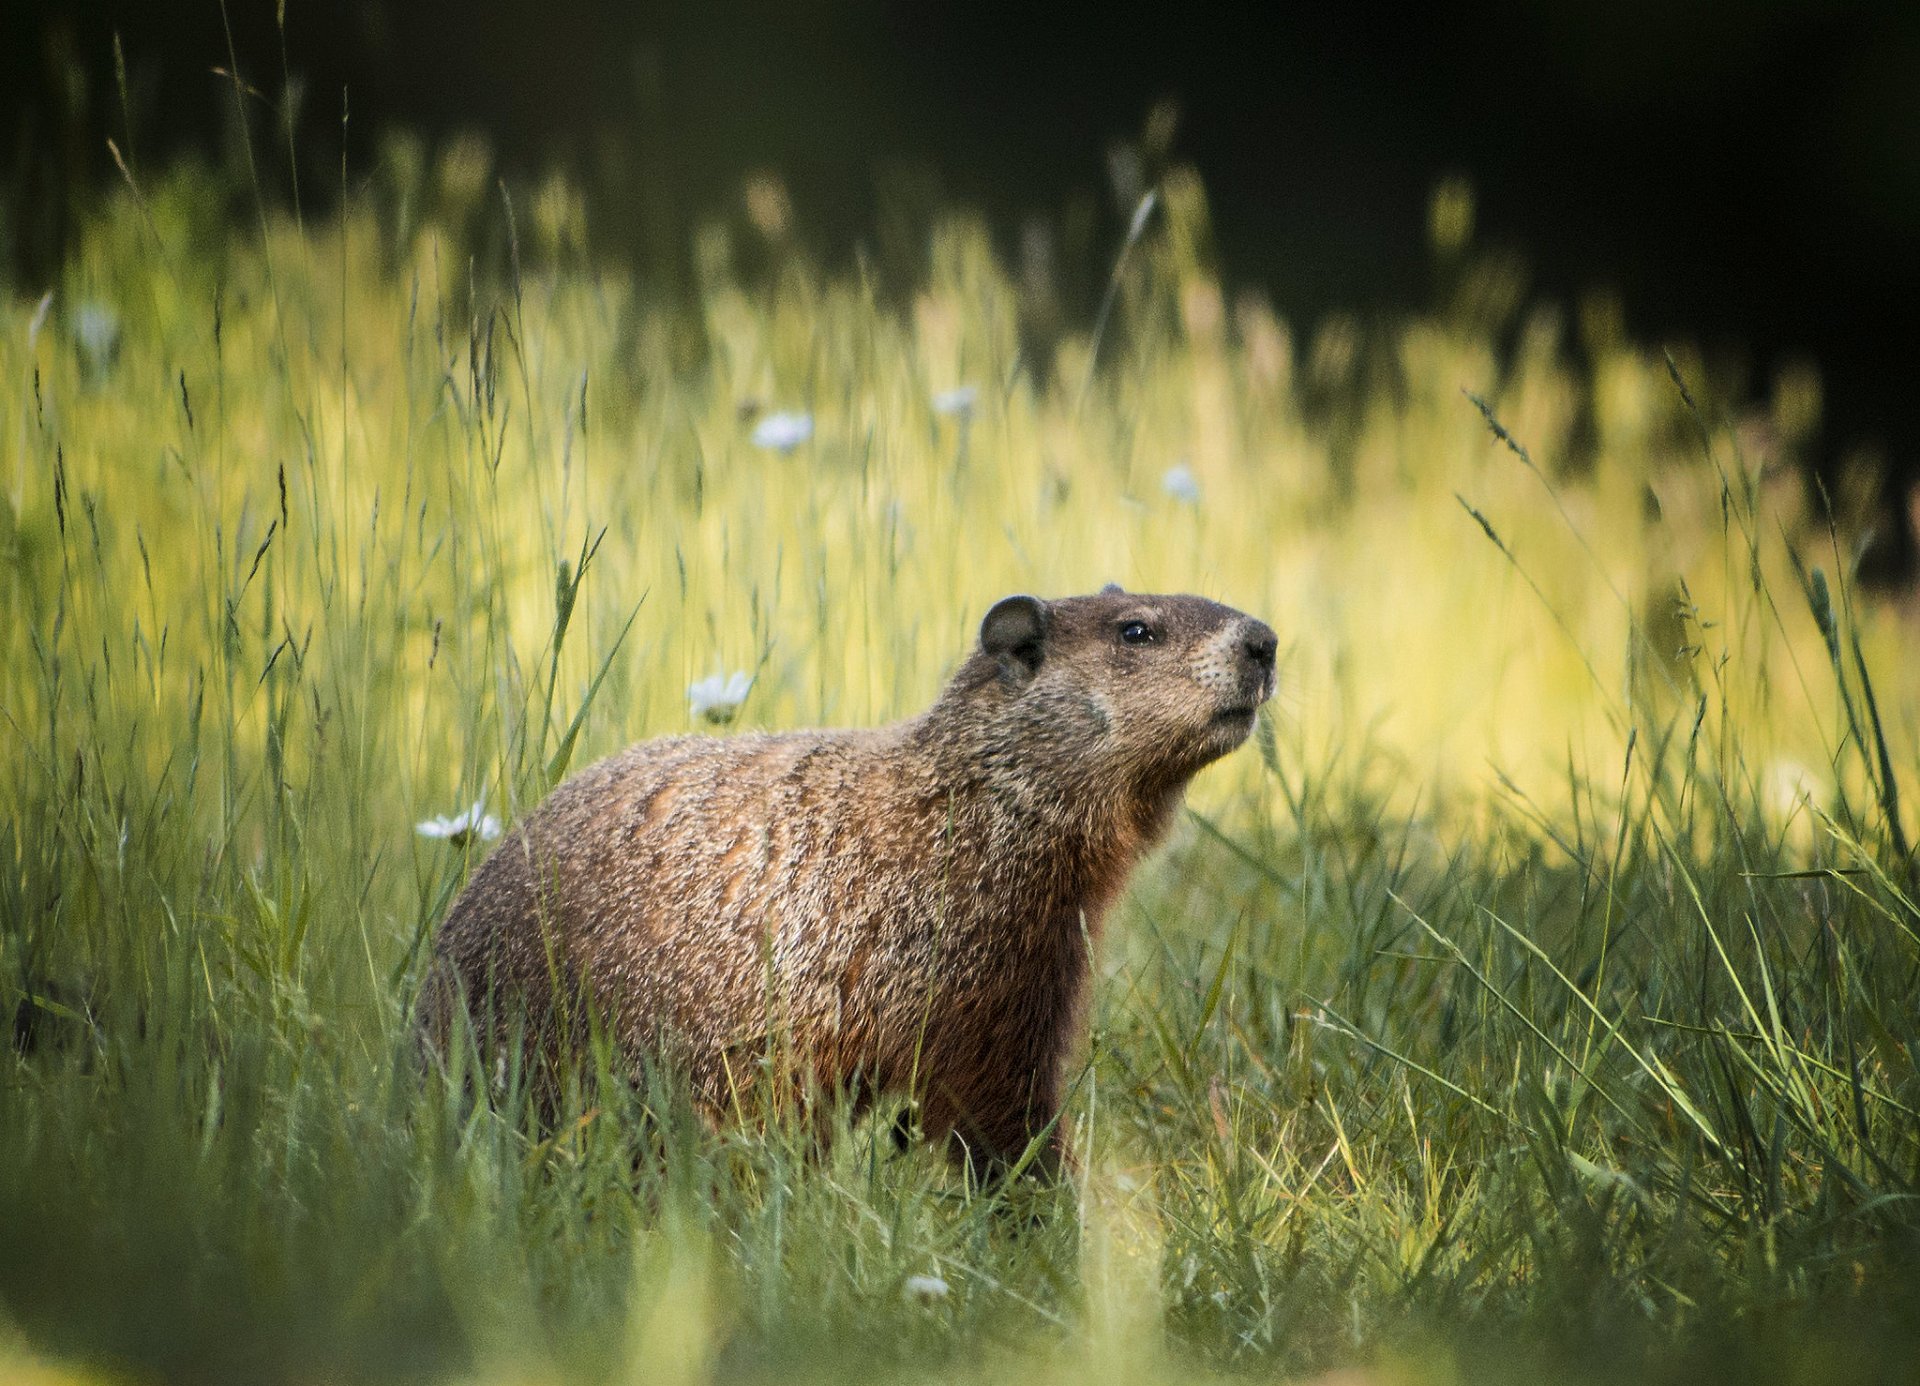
x=1120, y=690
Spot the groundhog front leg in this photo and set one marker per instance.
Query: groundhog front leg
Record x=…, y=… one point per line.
x=988, y=1132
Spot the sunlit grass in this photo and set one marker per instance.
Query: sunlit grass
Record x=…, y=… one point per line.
x=1538, y=995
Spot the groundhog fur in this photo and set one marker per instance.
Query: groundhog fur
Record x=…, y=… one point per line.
x=902, y=910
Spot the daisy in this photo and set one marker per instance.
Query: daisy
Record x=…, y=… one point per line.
x=957, y=402
x=1180, y=483
x=475, y=821
x=716, y=698
x=783, y=432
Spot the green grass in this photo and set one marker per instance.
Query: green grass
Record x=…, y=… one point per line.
x=1535, y=999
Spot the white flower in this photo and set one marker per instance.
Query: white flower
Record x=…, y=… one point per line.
x=928, y=1289
x=475, y=821
x=958, y=401
x=1180, y=483
x=783, y=432
x=716, y=698
x=96, y=330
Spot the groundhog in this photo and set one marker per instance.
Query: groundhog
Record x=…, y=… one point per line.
x=907, y=910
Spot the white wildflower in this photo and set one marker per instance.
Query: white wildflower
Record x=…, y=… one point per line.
x=783, y=432
x=1180, y=483
x=957, y=402
x=927, y=1289
x=474, y=821
x=716, y=698
x=96, y=331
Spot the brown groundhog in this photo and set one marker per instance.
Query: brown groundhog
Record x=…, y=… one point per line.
x=901, y=910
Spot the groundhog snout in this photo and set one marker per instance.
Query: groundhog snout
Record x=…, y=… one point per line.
x=1259, y=644
x=1255, y=644
x=1235, y=665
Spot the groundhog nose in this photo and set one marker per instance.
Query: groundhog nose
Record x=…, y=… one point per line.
x=1260, y=644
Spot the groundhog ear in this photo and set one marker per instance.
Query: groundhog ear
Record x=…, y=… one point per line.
x=1015, y=633
x=1113, y=589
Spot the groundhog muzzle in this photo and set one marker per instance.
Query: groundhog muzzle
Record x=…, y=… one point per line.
x=901, y=910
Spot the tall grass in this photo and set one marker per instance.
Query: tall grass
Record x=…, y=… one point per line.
x=1537, y=996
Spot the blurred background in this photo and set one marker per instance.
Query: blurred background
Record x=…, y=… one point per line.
x=1743, y=176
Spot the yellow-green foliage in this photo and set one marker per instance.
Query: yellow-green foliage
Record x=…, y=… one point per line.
x=448, y=439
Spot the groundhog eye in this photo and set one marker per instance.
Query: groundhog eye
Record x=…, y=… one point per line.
x=1137, y=633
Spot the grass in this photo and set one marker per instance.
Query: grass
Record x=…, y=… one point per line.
x=1535, y=999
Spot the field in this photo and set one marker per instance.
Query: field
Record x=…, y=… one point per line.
x=1536, y=999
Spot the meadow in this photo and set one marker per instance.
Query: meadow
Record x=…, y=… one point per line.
x=1535, y=999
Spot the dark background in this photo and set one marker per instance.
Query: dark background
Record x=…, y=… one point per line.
x=1745, y=175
